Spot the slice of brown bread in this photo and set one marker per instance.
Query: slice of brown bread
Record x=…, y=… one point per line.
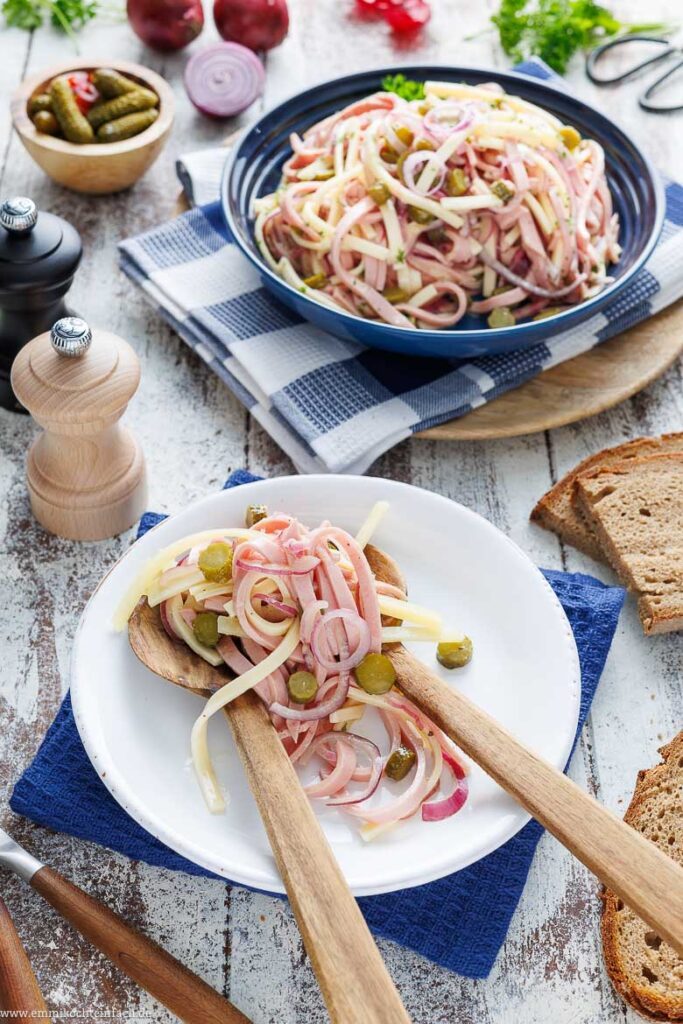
x=646, y=972
x=636, y=510
x=557, y=509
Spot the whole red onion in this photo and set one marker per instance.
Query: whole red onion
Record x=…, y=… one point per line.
x=166, y=24
x=258, y=24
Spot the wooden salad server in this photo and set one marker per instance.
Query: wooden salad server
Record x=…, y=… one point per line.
x=624, y=860
x=353, y=979
x=150, y=966
x=19, y=990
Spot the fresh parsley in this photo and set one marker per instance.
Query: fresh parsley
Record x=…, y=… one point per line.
x=67, y=15
x=404, y=87
x=555, y=30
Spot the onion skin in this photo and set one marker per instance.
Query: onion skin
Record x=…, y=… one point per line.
x=166, y=25
x=257, y=24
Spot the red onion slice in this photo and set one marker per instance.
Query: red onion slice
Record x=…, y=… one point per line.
x=410, y=166
x=361, y=745
x=440, y=809
x=299, y=568
x=286, y=609
x=166, y=622
x=224, y=79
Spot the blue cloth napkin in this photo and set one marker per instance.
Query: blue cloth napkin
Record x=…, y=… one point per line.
x=334, y=405
x=459, y=922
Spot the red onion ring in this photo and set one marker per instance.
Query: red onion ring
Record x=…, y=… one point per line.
x=410, y=165
x=533, y=289
x=286, y=609
x=367, y=747
x=299, y=568
x=166, y=622
x=450, y=805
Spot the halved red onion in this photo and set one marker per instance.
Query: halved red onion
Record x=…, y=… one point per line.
x=287, y=609
x=224, y=79
x=362, y=745
x=318, y=710
x=301, y=567
x=410, y=166
x=356, y=656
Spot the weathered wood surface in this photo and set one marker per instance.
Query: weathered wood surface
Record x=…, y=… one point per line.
x=550, y=969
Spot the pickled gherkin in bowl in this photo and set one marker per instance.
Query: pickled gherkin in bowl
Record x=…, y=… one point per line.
x=101, y=105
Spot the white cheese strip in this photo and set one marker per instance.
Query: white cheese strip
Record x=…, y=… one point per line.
x=164, y=560
x=376, y=515
x=200, y=749
x=406, y=610
x=471, y=202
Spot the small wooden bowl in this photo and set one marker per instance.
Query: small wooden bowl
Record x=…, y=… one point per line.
x=96, y=167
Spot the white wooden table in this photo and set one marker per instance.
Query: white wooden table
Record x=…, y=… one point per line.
x=550, y=970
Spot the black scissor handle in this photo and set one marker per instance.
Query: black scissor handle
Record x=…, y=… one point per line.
x=644, y=100
x=595, y=55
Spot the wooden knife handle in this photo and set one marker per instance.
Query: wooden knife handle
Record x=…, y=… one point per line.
x=150, y=966
x=18, y=986
x=645, y=878
x=354, y=981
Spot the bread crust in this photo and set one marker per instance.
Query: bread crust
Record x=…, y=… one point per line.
x=653, y=619
x=558, y=509
x=643, y=997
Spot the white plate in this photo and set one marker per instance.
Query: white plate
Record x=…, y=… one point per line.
x=525, y=672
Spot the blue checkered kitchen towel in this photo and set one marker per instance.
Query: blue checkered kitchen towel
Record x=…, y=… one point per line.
x=333, y=405
x=459, y=921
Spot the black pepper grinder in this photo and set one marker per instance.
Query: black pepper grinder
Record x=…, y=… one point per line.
x=39, y=253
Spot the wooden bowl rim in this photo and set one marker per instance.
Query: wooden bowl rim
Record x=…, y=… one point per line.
x=25, y=126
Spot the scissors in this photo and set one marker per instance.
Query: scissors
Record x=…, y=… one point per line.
x=667, y=53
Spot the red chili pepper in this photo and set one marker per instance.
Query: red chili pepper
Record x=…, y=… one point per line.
x=84, y=91
x=408, y=16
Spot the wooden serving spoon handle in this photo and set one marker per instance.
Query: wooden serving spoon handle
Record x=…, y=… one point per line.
x=19, y=989
x=353, y=979
x=645, y=878
x=150, y=966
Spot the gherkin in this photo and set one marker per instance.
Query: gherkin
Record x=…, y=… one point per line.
x=126, y=127
x=39, y=101
x=130, y=103
x=72, y=122
x=110, y=83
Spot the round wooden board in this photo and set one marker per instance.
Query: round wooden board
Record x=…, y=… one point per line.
x=581, y=387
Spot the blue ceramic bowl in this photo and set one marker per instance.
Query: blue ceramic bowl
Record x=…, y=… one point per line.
x=255, y=170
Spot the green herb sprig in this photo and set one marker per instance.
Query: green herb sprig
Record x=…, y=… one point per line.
x=555, y=30
x=66, y=15
x=404, y=87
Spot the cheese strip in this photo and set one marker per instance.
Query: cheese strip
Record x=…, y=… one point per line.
x=201, y=758
x=377, y=513
x=164, y=560
x=407, y=610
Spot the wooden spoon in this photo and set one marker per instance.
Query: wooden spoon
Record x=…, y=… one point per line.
x=19, y=990
x=644, y=877
x=353, y=979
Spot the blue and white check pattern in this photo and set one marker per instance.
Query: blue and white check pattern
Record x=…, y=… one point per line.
x=334, y=405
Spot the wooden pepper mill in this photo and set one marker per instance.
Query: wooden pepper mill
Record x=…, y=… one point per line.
x=85, y=473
